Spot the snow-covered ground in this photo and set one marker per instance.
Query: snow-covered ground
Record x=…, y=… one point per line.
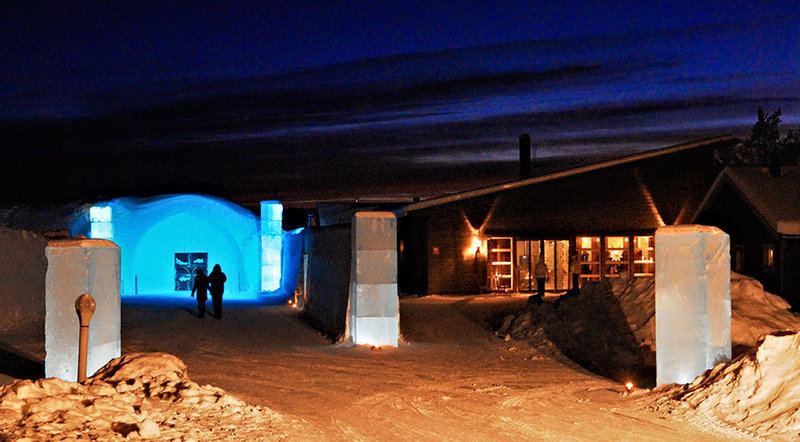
x=468, y=369
x=610, y=329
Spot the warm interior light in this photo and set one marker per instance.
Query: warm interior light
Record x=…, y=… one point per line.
x=375, y=347
x=629, y=386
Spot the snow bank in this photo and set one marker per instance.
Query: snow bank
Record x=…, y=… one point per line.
x=757, y=393
x=593, y=329
x=141, y=394
x=609, y=327
x=756, y=313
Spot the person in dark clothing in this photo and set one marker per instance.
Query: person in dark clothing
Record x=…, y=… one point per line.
x=216, y=285
x=201, y=288
x=541, y=273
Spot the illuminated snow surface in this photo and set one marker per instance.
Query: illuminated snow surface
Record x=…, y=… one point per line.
x=610, y=328
x=452, y=378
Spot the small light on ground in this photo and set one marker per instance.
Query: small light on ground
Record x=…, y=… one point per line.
x=376, y=347
x=628, y=386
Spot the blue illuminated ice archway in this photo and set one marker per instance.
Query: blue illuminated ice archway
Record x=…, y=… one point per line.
x=164, y=239
x=156, y=262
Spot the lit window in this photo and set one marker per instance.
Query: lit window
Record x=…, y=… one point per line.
x=501, y=273
x=644, y=256
x=616, y=260
x=100, y=218
x=589, y=257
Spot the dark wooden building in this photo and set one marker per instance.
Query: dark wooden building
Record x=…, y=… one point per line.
x=761, y=213
x=490, y=239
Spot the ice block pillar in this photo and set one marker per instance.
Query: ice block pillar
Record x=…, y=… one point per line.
x=693, y=301
x=75, y=267
x=373, y=308
x=271, y=240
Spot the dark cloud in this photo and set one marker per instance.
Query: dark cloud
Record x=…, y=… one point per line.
x=404, y=125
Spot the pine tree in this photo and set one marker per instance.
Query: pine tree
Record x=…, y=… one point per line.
x=765, y=147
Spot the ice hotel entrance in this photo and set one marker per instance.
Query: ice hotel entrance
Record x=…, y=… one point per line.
x=164, y=241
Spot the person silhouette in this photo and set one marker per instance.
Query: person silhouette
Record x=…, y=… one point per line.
x=216, y=285
x=575, y=269
x=541, y=273
x=200, y=287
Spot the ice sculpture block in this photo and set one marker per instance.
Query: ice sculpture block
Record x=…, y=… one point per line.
x=75, y=267
x=271, y=235
x=693, y=301
x=373, y=308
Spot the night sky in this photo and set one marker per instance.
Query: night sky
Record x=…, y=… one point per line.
x=337, y=100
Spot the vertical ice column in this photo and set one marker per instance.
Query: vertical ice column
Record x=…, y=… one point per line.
x=373, y=309
x=75, y=267
x=693, y=301
x=271, y=233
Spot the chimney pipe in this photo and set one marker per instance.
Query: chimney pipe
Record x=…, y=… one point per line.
x=524, y=156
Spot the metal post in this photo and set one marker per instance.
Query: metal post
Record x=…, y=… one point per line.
x=84, y=306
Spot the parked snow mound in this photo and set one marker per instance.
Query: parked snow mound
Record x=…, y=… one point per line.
x=139, y=394
x=609, y=327
x=758, y=392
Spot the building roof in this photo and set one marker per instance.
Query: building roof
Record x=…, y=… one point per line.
x=447, y=199
x=635, y=193
x=774, y=200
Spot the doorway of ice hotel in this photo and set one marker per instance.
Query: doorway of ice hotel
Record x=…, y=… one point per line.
x=556, y=255
x=186, y=266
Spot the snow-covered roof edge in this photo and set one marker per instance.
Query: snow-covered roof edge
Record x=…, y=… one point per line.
x=566, y=173
x=753, y=200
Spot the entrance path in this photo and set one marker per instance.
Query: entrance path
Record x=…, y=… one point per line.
x=452, y=379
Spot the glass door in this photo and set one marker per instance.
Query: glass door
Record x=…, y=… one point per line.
x=559, y=273
x=186, y=266
x=524, y=267
x=556, y=256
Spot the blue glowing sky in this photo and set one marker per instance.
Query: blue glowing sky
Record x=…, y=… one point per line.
x=342, y=99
